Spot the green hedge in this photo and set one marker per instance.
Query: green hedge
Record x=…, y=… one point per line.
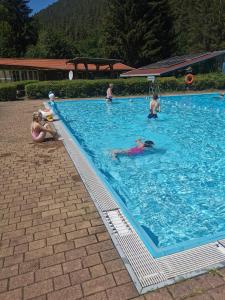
x=7, y=92
x=20, y=86
x=122, y=87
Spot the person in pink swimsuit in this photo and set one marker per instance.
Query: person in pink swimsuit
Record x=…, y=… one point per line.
x=38, y=131
x=140, y=148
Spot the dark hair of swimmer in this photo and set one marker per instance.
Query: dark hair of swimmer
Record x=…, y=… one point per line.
x=148, y=144
x=155, y=96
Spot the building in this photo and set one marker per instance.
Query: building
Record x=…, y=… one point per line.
x=178, y=65
x=14, y=69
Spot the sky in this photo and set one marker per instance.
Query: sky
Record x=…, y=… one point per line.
x=37, y=5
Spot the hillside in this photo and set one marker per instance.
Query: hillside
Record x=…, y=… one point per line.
x=79, y=19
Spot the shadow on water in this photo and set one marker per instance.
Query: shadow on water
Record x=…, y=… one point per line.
x=151, y=234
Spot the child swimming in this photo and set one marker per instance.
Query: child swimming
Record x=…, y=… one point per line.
x=140, y=148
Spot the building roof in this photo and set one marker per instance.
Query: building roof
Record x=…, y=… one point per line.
x=55, y=64
x=172, y=64
x=98, y=61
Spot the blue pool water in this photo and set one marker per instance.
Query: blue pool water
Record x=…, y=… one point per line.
x=175, y=193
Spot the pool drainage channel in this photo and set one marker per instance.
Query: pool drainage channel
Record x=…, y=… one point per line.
x=148, y=273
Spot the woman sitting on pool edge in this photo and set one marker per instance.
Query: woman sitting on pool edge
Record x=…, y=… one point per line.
x=38, y=131
x=140, y=148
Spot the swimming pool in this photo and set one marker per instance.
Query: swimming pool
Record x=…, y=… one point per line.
x=174, y=194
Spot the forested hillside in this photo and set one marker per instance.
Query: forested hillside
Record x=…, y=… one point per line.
x=137, y=31
x=80, y=20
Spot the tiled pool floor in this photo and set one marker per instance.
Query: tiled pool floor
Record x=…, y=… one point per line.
x=53, y=243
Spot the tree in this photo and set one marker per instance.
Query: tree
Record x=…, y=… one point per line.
x=6, y=47
x=52, y=44
x=137, y=31
x=22, y=28
x=199, y=26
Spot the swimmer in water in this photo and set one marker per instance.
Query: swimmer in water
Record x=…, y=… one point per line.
x=140, y=148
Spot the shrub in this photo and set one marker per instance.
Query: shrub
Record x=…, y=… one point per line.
x=7, y=92
x=122, y=87
x=20, y=87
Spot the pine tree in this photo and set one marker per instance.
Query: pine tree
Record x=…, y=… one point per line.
x=23, y=27
x=6, y=48
x=159, y=37
x=199, y=25
x=137, y=31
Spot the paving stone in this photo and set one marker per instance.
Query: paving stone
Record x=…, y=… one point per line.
x=38, y=289
x=161, y=294
x=91, y=260
x=3, y=285
x=52, y=260
x=21, y=280
x=123, y=292
x=121, y=277
x=29, y=266
x=13, y=260
x=61, y=282
x=97, y=296
x=80, y=276
x=71, y=266
x=48, y=272
x=97, y=271
x=12, y=295
x=217, y=293
x=114, y=265
x=38, y=253
x=65, y=246
x=195, y=285
x=69, y=293
x=98, y=284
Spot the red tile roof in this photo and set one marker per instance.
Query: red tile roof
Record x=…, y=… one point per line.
x=148, y=70
x=54, y=64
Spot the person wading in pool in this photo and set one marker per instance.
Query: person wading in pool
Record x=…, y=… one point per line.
x=108, y=97
x=140, y=148
x=154, y=107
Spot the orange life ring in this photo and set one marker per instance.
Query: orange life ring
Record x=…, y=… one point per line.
x=189, y=78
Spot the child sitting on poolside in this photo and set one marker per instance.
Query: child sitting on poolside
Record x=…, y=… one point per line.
x=140, y=148
x=39, y=131
x=154, y=107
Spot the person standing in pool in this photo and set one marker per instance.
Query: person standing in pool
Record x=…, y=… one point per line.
x=109, y=93
x=154, y=107
x=140, y=148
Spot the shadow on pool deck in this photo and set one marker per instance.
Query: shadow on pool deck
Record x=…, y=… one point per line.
x=53, y=243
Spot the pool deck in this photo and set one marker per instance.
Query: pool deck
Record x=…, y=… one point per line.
x=54, y=244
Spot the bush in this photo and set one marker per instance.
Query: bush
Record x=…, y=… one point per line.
x=7, y=92
x=20, y=87
x=122, y=87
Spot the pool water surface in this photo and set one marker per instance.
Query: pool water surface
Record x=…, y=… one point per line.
x=175, y=192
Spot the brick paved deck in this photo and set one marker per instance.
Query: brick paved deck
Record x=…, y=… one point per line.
x=53, y=244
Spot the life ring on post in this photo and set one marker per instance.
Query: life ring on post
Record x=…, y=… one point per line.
x=189, y=79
